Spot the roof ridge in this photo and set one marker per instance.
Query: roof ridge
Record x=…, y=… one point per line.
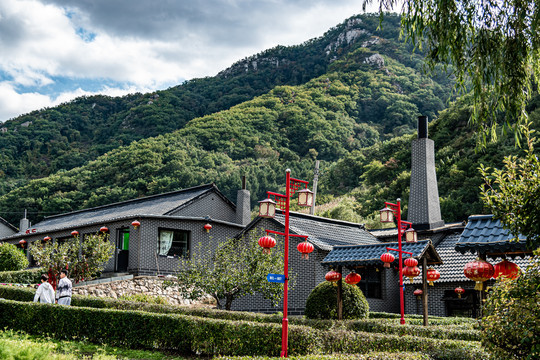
x=209, y=186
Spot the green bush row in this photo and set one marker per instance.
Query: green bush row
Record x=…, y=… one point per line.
x=369, y=356
x=388, y=326
x=31, y=276
x=418, y=319
x=190, y=334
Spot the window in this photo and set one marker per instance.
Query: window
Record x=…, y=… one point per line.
x=371, y=282
x=173, y=242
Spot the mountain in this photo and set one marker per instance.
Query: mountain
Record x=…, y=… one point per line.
x=349, y=98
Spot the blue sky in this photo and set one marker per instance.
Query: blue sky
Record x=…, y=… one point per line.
x=55, y=50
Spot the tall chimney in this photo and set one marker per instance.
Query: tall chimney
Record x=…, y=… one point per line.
x=243, y=209
x=24, y=224
x=424, y=208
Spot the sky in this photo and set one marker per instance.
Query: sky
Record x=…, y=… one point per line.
x=52, y=51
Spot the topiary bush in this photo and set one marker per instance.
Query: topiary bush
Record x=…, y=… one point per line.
x=11, y=258
x=322, y=302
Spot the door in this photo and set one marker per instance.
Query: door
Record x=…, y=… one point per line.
x=122, y=250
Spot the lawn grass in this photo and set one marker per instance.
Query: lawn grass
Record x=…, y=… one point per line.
x=17, y=345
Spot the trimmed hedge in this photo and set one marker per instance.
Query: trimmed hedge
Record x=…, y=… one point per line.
x=30, y=276
x=370, y=356
x=189, y=334
x=388, y=326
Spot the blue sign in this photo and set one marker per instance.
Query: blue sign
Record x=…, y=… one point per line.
x=277, y=278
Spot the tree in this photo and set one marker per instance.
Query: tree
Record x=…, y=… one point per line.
x=237, y=268
x=493, y=48
x=511, y=329
x=512, y=194
x=83, y=259
x=12, y=258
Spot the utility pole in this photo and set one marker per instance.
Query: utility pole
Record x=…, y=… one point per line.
x=315, y=180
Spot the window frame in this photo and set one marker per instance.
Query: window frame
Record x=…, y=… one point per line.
x=187, y=248
x=372, y=289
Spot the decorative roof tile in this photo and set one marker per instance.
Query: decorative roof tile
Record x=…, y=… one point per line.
x=486, y=235
x=371, y=254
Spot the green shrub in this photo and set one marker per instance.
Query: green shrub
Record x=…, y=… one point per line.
x=12, y=258
x=511, y=322
x=322, y=302
x=369, y=356
x=189, y=334
x=145, y=299
x=29, y=276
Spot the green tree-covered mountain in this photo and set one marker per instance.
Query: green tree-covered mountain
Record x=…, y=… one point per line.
x=354, y=108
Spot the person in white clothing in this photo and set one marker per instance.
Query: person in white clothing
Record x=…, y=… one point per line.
x=63, y=290
x=45, y=291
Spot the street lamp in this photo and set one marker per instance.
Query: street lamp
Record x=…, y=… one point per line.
x=267, y=209
x=404, y=227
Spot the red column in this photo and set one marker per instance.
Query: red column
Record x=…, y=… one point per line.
x=285, y=322
x=401, y=300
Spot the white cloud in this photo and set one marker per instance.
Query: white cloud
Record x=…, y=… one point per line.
x=141, y=45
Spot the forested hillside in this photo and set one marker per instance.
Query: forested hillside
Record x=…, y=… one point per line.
x=357, y=116
x=61, y=138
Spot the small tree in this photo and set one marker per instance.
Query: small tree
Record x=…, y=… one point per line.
x=237, y=268
x=511, y=322
x=12, y=258
x=83, y=262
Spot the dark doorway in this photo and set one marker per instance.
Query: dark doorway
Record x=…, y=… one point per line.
x=466, y=306
x=122, y=250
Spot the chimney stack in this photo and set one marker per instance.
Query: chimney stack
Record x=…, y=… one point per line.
x=243, y=208
x=24, y=224
x=424, y=208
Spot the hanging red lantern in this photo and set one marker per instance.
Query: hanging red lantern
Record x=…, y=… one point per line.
x=74, y=233
x=135, y=223
x=305, y=248
x=22, y=243
x=267, y=242
x=332, y=276
x=506, y=269
x=411, y=272
x=479, y=270
x=432, y=275
x=418, y=293
x=387, y=259
x=411, y=262
x=207, y=227
x=353, y=278
x=104, y=229
x=46, y=238
x=459, y=291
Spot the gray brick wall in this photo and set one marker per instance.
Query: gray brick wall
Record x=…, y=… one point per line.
x=210, y=204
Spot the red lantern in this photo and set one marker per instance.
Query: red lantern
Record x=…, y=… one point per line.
x=411, y=262
x=207, y=227
x=387, y=258
x=135, y=223
x=411, y=272
x=46, y=238
x=418, y=293
x=506, y=269
x=74, y=233
x=353, y=278
x=267, y=242
x=332, y=276
x=479, y=270
x=459, y=291
x=104, y=229
x=432, y=275
x=305, y=248
x=22, y=243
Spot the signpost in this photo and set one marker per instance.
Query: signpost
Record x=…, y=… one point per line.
x=277, y=278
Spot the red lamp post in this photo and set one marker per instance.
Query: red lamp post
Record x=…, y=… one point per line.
x=267, y=209
x=387, y=215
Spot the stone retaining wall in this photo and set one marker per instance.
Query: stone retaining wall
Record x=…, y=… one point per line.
x=147, y=285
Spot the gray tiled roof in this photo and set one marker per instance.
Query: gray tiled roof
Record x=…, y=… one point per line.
x=3, y=221
x=160, y=204
x=454, y=263
x=371, y=254
x=326, y=233
x=485, y=235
